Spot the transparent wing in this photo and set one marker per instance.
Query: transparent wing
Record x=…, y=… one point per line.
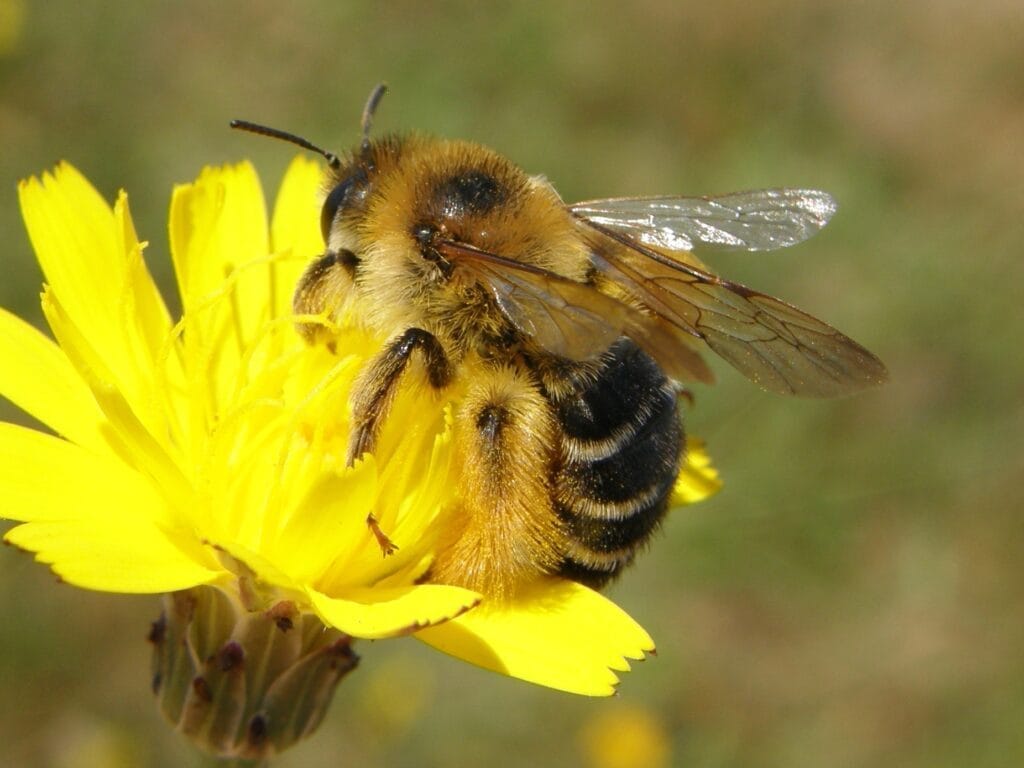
x=560, y=316
x=571, y=319
x=774, y=344
x=760, y=220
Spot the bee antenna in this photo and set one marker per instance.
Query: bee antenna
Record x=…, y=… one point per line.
x=368, y=111
x=291, y=138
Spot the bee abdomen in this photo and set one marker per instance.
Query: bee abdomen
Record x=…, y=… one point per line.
x=620, y=451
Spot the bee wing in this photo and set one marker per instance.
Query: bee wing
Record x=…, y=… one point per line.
x=571, y=319
x=759, y=220
x=776, y=345
x=560, y=316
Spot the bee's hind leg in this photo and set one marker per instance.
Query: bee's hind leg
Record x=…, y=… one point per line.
x=503, y=531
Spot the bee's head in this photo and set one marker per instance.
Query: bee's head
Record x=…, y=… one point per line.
x=407, y=223
x=348, y=187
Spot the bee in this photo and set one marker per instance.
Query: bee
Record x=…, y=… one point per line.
x=571, y=330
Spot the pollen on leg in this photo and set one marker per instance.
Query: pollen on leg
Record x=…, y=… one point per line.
x=504, y=532
x=387, y=546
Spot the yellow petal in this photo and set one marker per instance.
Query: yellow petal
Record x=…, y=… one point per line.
x=89, y=483
x=144, y=316
x=414, y=457
x=698, y=479
x=328, y=524
x=294, y=229
x=252, y=566
x=374, y=613
x=72, y=231
x=561, y=635
x=221, y=258
x=147, y=303
x=39, y=379
x=134, y=441
x=428, y=485
x=219, y=230
x=129, y=558
x=92, y=261
x=101, y=526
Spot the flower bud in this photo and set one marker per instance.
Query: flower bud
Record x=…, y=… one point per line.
x=240, y=683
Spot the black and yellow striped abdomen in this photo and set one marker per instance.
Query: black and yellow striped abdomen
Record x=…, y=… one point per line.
x=620, y=450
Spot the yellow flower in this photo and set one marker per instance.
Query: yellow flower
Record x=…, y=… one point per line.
x=12, y=25
x=625, y=737
x=194, y=446
x=210, y=450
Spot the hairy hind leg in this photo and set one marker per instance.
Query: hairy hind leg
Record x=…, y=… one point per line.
x=503, y=532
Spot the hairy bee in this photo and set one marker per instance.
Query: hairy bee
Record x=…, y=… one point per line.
x=569, y=327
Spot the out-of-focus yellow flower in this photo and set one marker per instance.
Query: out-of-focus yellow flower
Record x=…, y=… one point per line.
x=12, y=24
x=77, y=741
x=625, y=737
x=395, y=694
x=209, y=451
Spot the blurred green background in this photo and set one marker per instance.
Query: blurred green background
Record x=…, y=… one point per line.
x=855, y=595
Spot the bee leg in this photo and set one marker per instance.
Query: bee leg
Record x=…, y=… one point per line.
x=376, y=387
x=323, y=288
x=685, y=394
x=503, y=533
x=375, y=391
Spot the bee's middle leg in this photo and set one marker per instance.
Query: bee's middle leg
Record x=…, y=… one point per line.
x=375, y=390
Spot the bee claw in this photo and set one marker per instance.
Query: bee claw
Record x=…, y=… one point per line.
x=360, y=443
x=685, y=393
x=387, y=546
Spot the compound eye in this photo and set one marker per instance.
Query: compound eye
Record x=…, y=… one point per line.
x=346, y=194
